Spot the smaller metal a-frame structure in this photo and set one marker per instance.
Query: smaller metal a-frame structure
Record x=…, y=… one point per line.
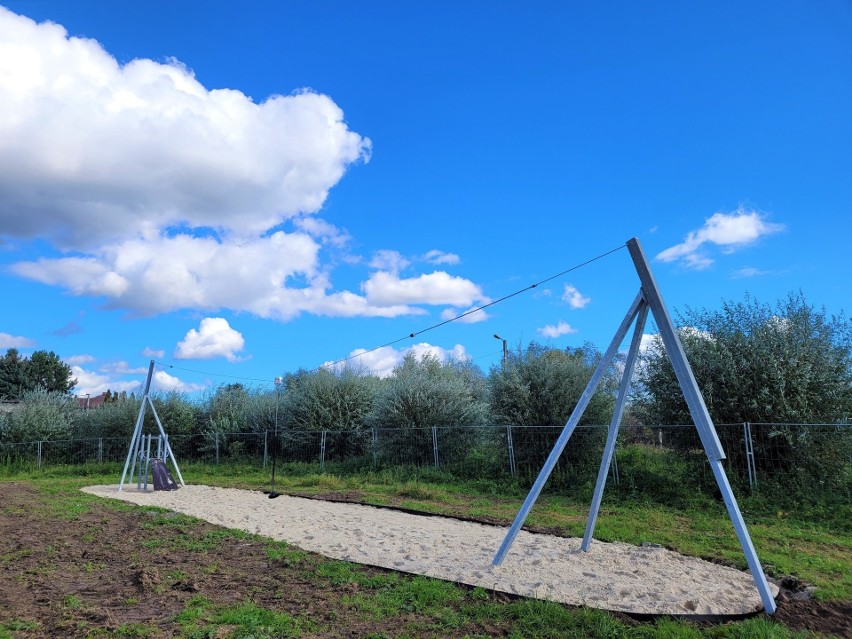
x=136, y=442
x=648, y=298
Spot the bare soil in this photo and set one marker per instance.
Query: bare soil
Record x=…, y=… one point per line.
x=103, y=569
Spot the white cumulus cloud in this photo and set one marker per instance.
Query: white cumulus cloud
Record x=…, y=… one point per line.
x=382, y=361
x=15, y=341
x=214, y=338
x=562, y=328
x=439, y=287
x=162, y=194
x=574, y=298
x=730, y=231
x=93, y=384
x=153, y=353
x=164, y=382
x=91, y=149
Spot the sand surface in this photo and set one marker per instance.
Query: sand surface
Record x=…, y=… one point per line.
x=613, y=576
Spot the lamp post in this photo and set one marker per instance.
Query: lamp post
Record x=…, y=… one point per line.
x=505, y=349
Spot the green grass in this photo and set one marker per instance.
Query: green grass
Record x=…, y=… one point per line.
x=816, y=548
x=813, y=544
x=201, y=618
x=16, y=625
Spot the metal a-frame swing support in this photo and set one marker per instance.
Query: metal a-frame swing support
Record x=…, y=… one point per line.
x=136, y=441
x=648, y=298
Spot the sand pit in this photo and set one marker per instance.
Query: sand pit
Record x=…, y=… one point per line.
x=613, y=576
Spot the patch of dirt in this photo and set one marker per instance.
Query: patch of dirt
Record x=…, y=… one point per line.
x=833, y=618
x=110, y=567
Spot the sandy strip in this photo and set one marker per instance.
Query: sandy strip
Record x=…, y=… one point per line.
x=613, y=576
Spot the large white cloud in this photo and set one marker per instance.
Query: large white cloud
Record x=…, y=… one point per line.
x=727, y=230
x=164, y=195
x=384, y=288
x=382, y=361
x=168, y=273
x=214, y=338
x=91, y=150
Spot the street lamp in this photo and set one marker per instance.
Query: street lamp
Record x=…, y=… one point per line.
x=505, y=349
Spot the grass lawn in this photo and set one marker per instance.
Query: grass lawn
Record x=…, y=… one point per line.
x=813, y=545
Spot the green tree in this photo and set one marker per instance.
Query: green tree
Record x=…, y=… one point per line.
x=422, y=393
x=12, y=375
x=333, y=401
x=754, y=362
x=541, y=386
x=782, y=365
x=46, y=370
x=226, y=409
x=42, y=416
x=178, y=414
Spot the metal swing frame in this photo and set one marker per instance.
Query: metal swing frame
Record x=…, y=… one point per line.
x=648, y=298
x=137, y=441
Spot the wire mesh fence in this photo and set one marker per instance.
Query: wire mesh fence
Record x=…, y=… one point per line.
x=813, y=459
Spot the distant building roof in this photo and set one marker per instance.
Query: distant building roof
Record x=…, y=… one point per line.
x=91, y=402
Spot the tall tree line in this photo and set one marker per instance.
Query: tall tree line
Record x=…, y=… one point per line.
x=41, y=370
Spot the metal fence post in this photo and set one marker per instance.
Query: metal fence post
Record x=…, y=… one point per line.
x=435, y=444
x=217, y=448
x=375, y=447
x=613, y=467
x=38, y=454
x=100, y=450
x=265, y=447
x=750, y=462
x=511, y=450
x=322, y=450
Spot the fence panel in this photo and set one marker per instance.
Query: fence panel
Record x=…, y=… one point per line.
x=802, y=461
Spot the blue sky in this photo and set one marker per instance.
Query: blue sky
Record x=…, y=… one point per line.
x=261, y=186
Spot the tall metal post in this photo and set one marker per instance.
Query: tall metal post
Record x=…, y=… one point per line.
x=435, y=444
x=700, y=415
x=505, y=349
x=649, y=298
x=511, y=446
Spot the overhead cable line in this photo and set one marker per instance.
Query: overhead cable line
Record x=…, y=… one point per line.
x=474, y=310
x=415, y=333
x=190, y=370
